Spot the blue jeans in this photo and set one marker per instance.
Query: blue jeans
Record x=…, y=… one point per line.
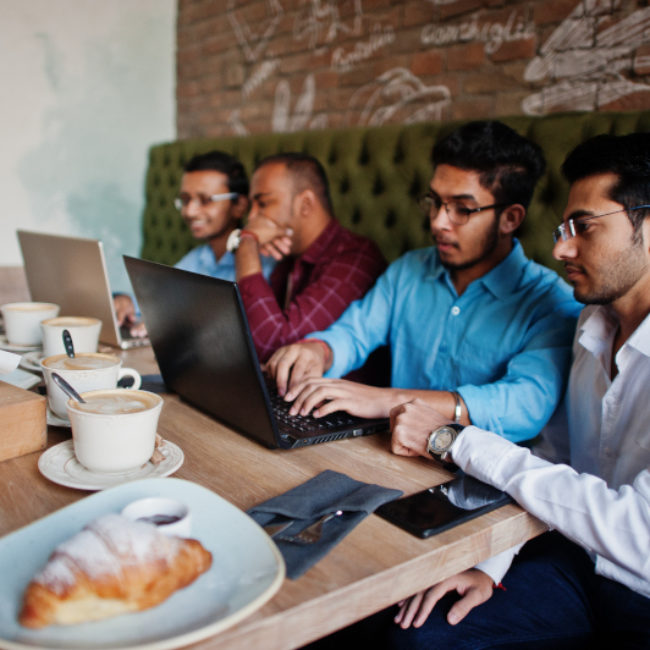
x=553, y=599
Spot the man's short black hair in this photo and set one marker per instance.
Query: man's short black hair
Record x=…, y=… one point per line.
x=306, y=173
x=627, y=156
x=219, y=161
x=509, y=164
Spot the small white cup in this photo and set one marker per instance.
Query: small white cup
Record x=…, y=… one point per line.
x=87, y=371
x=84, y=332
x=170, y=516
x=23, y=321
x=115, y=430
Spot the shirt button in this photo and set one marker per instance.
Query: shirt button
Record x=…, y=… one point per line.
x=455, y=310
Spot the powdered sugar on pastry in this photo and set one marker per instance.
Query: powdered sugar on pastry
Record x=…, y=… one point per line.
x=111, y=567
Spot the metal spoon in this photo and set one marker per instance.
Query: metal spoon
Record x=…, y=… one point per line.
x=66, y=388
x=67, y=343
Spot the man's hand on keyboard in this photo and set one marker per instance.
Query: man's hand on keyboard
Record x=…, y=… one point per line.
x=292, y=364
x=323, y=396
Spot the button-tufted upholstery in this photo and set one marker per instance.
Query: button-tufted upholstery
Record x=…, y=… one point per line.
x=376, y=175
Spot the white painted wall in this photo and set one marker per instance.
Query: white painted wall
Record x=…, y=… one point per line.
x=87, y=87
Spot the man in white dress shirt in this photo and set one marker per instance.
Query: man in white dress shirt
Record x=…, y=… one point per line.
x=587, y=584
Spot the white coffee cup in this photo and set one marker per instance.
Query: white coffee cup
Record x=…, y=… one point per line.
x=115, y=430
x=84, y=332
x=87, y=371
x=23, y=321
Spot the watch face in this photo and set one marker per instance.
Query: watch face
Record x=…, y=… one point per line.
x=442, y=440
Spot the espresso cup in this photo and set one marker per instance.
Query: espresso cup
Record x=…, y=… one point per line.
x=84, y=332
x=23, y=321
x=114, y=430
x=86, y=371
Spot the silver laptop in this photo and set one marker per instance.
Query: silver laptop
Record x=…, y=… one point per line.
x=71, y=272
x=205, y=352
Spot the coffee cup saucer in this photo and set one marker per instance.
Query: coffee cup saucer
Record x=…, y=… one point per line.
x=60, y=465
x=13, y=347
x=53, y=420
x=32, y=360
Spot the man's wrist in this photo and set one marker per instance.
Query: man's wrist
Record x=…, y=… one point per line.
x=329, y=355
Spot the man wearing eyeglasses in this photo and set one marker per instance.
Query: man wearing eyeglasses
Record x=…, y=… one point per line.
x=474, y=327
x=587, y=584
x=213, y=200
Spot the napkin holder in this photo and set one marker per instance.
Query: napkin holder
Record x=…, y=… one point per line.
x=23, y=421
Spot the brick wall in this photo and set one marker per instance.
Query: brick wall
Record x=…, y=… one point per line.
x=254, y=66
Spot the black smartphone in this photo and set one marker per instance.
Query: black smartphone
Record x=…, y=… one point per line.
x=443, y=506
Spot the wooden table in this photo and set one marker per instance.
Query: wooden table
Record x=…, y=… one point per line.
x=376, y=565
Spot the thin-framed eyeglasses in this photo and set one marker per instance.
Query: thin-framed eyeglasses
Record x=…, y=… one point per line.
x=572, y=227
x=457, y=212
x=184, y=200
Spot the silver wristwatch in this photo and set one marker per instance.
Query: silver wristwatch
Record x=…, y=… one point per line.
x=233, y=241
x=441, y=439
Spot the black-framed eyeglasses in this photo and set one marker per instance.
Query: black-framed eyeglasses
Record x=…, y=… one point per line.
x=184, y=200
x=572, y=227
x=457, y=212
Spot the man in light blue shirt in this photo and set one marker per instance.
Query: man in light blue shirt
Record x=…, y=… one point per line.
x=475, y=328
x=212, y=201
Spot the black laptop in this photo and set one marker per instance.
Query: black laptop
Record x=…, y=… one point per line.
x=200, y=336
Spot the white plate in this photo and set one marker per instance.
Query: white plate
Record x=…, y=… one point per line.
x=54, y=420
x=247, y=570
x=11, y=347
x=31, y=360
x=60, y=465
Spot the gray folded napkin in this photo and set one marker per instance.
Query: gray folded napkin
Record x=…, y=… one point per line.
x=327, y=492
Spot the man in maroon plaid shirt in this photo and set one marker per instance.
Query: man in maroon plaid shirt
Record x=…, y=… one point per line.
x=323, y=267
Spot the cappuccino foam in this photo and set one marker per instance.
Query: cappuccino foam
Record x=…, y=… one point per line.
x=113, y=404
x=80, y=362
x=28, y=306
x=70, y=321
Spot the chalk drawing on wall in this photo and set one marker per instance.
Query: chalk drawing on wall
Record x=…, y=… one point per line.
x=397, y=96
x=584, y=68
x=283, y=120
x=253, y=43
x=259, y=76
x=319, y=21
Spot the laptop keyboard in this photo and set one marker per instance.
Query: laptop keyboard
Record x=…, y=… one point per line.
x=304, y=423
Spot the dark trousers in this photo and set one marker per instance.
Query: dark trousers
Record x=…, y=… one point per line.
x=553, y=599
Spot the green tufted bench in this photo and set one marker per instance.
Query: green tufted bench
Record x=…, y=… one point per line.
x=376, y=175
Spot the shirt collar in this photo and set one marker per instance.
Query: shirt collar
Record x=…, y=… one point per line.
x=599, y=328
x=502, y=279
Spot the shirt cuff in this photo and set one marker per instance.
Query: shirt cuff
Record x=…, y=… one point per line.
x=497, y=566
x=485, y=455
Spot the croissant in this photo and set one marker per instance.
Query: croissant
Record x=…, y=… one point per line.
x=113, y=566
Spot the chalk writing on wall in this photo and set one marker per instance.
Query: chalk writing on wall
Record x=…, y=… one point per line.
x=494, y=35
x=398, y=96
x=380, y=36
x=319, y=21
x=253, y=43
x=584, y=67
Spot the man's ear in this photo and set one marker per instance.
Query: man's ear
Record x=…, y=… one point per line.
x=305, y=202
x=511, y=218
